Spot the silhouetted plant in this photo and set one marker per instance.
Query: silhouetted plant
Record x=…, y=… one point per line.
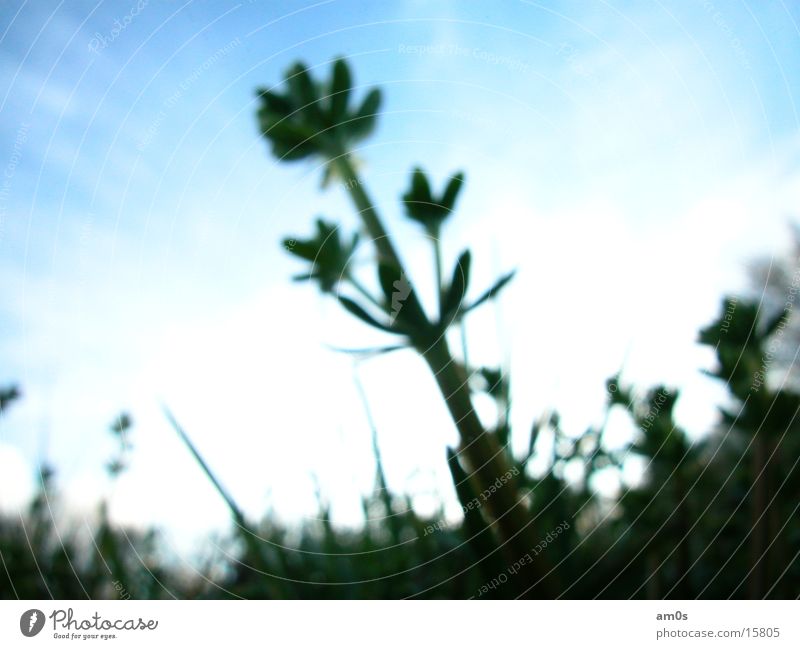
x=313, y=118
x=713, y=516
x=766, y=418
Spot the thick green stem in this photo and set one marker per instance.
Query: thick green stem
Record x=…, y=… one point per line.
x=483, y=455
x=366, y=210
x=486, y=461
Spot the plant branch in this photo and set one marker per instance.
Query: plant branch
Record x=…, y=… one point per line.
x=366, y=210
x=437, y=253
x=485, y=459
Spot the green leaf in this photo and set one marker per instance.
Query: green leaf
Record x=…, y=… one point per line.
x=454, y=298
x=358, y=311
x=302, y=249
x=492, y=292
x=288, y=152
x=340, y=91
x=304, y=277
x=325, y=250
x=313, y=118
x=301, y=87
x=290, y=141
x=451, y=192
x=418, y=200
x=423, y=207
x=370, y=351
x=420, y=187
x=275, y=103
x=364, y=120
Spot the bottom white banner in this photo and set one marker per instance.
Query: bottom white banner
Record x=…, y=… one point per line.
x=398, y=624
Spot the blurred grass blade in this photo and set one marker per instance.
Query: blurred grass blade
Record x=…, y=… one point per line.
x=235, y=510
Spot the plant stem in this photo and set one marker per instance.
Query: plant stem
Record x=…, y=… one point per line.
x=365, y=208
x=483, y=455
x=437, y=254
x=484, y=458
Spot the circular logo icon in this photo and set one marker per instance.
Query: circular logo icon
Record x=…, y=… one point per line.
x=31, y=622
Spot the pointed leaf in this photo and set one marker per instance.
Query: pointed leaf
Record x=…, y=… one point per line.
x=358, y=311
x=369, y=351
x=364, y=120
x=275, y=103
x=340, y=90
x=418, y=200
x=302, y=249
x=303, y=277
x=492, y=292
x=290, y=141
x=300, y=85
x=454, y=298
x=420, y=187
x=451, y=192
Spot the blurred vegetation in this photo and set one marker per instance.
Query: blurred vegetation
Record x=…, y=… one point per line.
x=713, y=518
x=710, y=517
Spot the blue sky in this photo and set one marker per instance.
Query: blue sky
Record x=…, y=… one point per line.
x=629, y=158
